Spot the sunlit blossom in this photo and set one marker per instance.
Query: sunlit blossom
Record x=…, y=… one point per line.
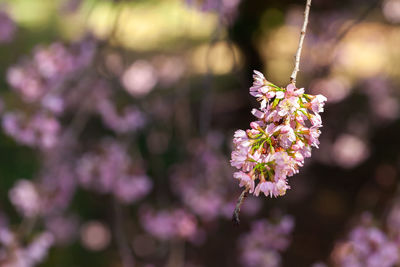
x=276, y=145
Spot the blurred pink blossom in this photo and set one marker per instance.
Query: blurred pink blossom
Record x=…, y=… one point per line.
x=349, y=151
x=366, y=246
x=7, y=27
x=140, y=78
x=169, y=224
x=26, y=198
x=265, y=241
x=110, y=170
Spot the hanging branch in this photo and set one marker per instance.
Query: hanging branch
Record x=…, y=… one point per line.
x=245, y=192
x=239, y=203
x=302, y=36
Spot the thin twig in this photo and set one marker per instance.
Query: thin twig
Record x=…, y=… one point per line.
x=357, y=21
x=177, y=254
x=301, y=41
x=327, y=68
x=239, y=203
x=124, y=249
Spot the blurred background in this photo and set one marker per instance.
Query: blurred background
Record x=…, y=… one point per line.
x=117, y=120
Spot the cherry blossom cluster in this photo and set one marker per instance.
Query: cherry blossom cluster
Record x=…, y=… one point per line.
x=42, y=85
x=39, y=129
x=278, y=142
x=367, y=245
x=47, y=195
x=47, y=91
x=111, y=170
x=169, y=224
x=12, y=253
x=265, y=241
x=55, y=95
x=40, y=79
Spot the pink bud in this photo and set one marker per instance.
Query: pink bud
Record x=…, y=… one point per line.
x=290, y=88
x=254, y=125
x=257, y=113
x=285, y=129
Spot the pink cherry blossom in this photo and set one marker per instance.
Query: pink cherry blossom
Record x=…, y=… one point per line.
x=239, y=157
x=316, y=120
x=317, y=104
x=257, y=113
x=278, y=142
x=314, y=134
x=279, y=95
x=245, y=180
x=288, y=106
x=291, y=90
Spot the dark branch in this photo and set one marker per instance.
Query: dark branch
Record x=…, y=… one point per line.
x=239, y=203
